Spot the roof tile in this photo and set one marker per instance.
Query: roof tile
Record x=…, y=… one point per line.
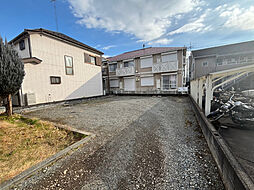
x=143, y=52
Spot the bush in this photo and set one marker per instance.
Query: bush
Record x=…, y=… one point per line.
x=11, y=73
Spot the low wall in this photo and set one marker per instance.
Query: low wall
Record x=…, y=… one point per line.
x=147, y=92
x=232, y=173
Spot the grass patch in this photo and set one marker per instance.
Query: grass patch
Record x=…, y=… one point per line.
x=25, y=142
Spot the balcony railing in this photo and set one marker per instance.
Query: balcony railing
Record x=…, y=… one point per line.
x=125, y=71
x=165, y=67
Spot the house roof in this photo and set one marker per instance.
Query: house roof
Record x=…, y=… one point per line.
x=34, y=60
x=143, y=52
x=225, y=49
x=57, y=35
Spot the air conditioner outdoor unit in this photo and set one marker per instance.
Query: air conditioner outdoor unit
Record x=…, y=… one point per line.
x=30, y=99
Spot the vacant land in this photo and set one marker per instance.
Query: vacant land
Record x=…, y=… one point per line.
x=139, y=143
x=26, y=142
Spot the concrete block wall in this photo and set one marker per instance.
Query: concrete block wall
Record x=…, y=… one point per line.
x=232, y=173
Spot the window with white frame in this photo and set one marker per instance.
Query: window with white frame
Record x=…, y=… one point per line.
x=242, y=59
x=158, y=59
x=168, y=82
x=128, y=64
x=219, y=62
x=93, y=59
x=22, y=45
x=68, y=65
x=112, y=67
x=169, y=57
x=146, y=62
x=114, y=83
x=147, y=81
x=205, y=64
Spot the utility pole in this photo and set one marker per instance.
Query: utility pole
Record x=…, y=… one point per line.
x=190, y=47
x=54, y=1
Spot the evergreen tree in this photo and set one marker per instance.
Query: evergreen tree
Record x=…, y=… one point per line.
x=11, y=73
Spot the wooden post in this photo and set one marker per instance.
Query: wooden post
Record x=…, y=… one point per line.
x=9, y=105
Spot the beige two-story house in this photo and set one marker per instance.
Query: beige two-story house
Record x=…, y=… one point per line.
x=153, y=70
x=57, y=67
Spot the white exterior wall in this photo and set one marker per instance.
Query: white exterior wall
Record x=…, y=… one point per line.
x=86, y=81
x=25, y=52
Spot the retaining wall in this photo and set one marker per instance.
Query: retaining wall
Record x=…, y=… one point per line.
x=233, y=174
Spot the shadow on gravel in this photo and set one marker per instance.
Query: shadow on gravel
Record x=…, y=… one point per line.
x=146, y=168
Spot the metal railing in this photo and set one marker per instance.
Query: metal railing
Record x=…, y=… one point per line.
x=165, y=66
x=125, y=71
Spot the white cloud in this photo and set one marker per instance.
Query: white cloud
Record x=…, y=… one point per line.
x=162, y=41
x=193, y=26
x=108, y=47
x=239, y=18
x=145, y=19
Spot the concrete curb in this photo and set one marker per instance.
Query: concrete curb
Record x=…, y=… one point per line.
x=49, y=104
x=38, y=167
x=233, y=174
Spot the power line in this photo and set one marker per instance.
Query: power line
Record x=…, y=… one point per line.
x=54, y=1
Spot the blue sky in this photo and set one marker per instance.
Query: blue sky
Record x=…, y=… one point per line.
x=116, y=26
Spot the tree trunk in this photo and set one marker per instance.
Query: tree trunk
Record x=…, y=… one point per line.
x=9, y=105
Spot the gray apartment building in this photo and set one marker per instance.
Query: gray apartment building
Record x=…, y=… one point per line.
x=210, y=60
x=220, y=67
x=153, y=70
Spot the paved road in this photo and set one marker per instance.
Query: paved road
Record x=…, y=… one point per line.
x=140, y=143
x=241, y=143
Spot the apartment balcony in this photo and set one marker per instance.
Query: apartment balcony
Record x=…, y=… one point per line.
x=125, y=71
x=165, y=67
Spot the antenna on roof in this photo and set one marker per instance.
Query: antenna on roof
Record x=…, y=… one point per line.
x=54, y=1
x=190, y=47
x=144, y=45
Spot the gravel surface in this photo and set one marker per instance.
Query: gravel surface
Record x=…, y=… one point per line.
x=140, y=143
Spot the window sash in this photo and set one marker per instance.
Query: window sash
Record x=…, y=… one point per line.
x=147, y=81
x=93, y=60
x=69, y=65
x=128, y=64
x=22, y=45
x=114, y=83
x=112, y=67
x=146, y=62
x=168, y=82
x=205, y=64
x=169, y=57
x=55, y=80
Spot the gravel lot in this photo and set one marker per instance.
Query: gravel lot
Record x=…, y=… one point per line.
x=140, y=143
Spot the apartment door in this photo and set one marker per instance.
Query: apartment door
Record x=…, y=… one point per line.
x=158, y=83
x=129, y=84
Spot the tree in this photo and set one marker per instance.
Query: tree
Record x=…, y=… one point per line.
x=11, y=73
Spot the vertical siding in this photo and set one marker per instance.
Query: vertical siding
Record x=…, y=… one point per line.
x=180, y=68
x=25, y=52
x=86, y=81
x=200, y=70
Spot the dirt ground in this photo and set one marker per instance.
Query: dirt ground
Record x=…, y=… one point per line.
x=25, y=142
x=140, y=143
